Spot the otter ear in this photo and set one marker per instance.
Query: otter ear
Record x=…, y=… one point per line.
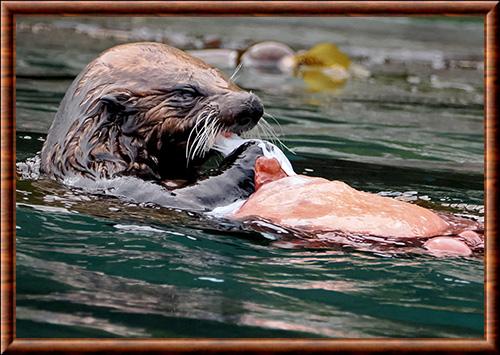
x=118, y=103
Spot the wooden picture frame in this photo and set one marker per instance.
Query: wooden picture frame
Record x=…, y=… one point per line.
x=11, y=9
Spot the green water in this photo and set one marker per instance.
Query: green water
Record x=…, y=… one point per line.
x=88, y=267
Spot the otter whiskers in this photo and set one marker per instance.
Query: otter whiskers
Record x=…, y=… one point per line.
x=208, y=126
x=233, y=76
x=206, y=138
x=205, y=131
x=267, y=132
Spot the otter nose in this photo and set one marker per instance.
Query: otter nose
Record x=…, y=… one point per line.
x=250, y=111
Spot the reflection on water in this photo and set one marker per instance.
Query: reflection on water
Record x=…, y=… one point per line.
x=91, y=267
x=176, y=281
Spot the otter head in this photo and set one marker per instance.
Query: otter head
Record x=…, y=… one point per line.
x=144, y=109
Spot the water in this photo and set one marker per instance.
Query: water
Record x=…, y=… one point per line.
x=93, y=267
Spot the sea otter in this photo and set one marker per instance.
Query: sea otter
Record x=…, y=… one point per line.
x=151, y=111
x=142, y=115
x=147, y=110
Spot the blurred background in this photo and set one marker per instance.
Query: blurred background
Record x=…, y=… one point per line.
x=422, y=105
x=402, y=116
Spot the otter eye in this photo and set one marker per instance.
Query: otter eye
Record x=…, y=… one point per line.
x=186, y=93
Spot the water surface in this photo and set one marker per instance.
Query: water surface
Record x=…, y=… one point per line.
x=90, y=267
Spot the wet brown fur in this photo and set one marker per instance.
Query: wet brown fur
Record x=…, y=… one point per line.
x=121, y=115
